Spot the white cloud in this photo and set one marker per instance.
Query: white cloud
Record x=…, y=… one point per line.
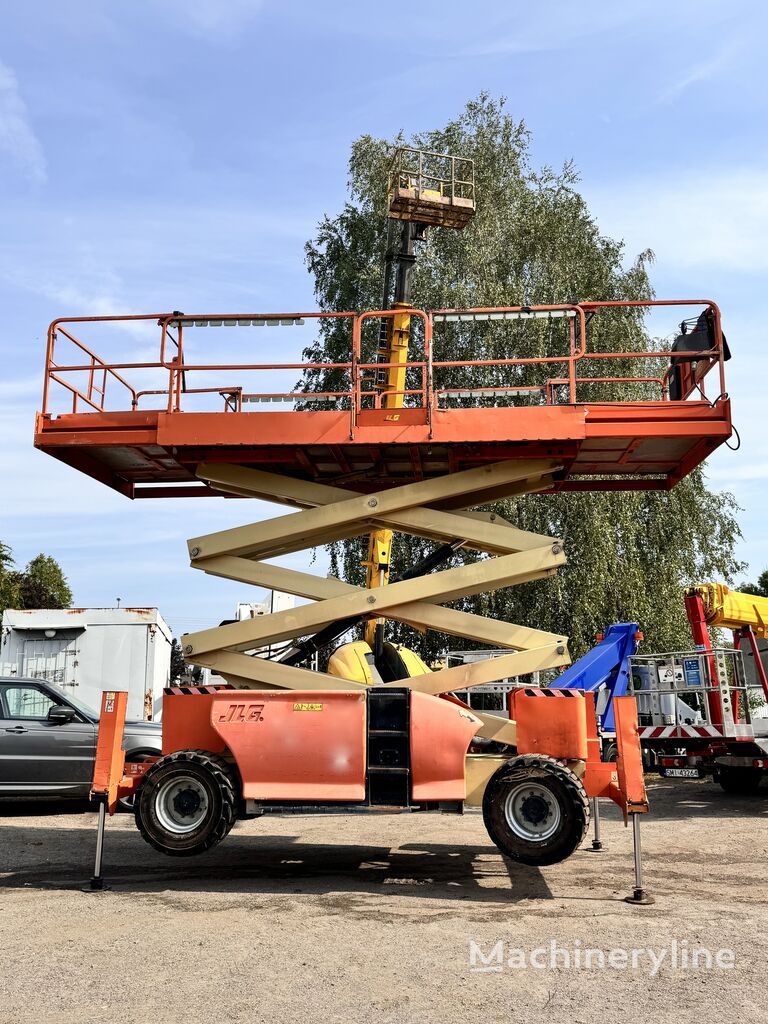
x=17, y=137
x=220, y=17
x=700, y=72
x=691, y=218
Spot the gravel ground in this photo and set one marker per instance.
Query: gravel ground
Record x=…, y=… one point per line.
x=371, y=918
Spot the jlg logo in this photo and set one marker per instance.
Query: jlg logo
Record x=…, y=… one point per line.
x=242, y=713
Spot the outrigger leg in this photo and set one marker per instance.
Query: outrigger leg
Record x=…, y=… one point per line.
x=639, y=895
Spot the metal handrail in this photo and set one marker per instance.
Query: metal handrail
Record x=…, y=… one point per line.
x=708, y=691
x=95, y=361
x=94, y=392
x=556, y=382
x=398, y=167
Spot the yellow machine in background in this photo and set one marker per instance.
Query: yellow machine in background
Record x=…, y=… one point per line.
x=731, y=609
x=355, y=661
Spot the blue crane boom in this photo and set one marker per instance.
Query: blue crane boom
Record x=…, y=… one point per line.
x=606, y=667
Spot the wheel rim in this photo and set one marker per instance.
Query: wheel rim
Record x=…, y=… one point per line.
x=532, y=812
x=181, y=804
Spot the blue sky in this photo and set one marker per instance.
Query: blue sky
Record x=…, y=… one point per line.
x=176, y=154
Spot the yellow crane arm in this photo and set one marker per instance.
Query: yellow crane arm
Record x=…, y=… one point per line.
x=732, y=609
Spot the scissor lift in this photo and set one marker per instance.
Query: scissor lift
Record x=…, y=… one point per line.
x=345, y=464
x=406, y=439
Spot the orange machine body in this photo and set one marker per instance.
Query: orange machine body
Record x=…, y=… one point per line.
x=543, y=728
x=441, y=732
x=187, y=722
x=563, y=724
x=315, y=746
x=109, y=763
x=292, y=745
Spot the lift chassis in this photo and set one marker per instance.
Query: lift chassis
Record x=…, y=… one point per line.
x=231, y=754
x=281, y=737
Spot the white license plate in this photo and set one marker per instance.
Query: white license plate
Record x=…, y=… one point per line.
x=681, y=773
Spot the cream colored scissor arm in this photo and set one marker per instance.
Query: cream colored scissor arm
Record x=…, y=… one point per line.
x=332, y=513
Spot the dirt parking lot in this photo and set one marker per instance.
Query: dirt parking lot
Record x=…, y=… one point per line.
x=332, y=918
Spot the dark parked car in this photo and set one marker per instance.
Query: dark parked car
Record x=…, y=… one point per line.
x=48, y=741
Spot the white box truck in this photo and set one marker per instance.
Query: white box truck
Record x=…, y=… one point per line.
x=88, y=650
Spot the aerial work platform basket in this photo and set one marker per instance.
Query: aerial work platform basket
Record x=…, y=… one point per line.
x=144, y=424
x=431, y=188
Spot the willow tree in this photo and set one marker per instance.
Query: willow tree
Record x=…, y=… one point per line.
x=532, y=241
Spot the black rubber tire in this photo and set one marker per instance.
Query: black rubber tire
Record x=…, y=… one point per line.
x=743, y=781
x=565, y=791
x=214, y=776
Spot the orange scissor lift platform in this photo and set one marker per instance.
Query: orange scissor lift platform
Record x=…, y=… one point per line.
x=171, y=421
x=144, y=425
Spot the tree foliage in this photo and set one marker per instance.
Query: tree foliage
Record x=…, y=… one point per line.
x=178, y=665
x=533, y=240
x=41, y=584
x=9, y=583
x=180, y=668
x=44, y=585
x=759, y=589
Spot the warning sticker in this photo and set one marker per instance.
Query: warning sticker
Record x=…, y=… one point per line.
x=307, y=707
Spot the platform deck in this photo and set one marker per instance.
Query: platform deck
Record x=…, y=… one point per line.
x=154, y=452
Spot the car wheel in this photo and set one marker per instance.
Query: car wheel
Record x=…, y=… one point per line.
x=536, y=810
x=743, y=781
x=187, y=803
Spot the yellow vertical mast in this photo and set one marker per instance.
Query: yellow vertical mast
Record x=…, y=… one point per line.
x=424, y=189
